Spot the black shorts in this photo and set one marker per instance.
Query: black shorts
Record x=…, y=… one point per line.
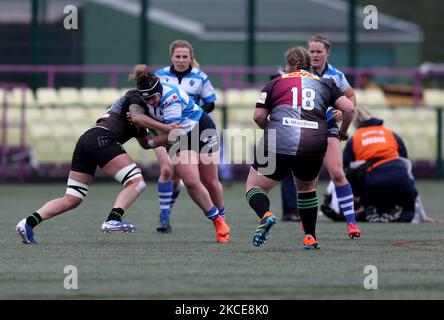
x=96, y=147
x=304, y=167
x=203, y=138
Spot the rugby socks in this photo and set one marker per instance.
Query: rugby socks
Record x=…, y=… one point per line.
x=213, y=213
x=115, y=214
x=345, y=198
x=258, y=201
x=174, y=197
x=33, y=220
x=164, y=191
x=308, y=210
x=222, y=212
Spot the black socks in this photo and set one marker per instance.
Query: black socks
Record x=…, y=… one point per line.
x=33, y=220
x=116, y=214
x=308, y=210
x=258, y=201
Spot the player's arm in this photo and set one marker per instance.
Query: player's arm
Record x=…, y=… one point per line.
x=147, y=142
x=143, y=142
x=207, y=94
x=261, y=117
x=350, y=94
x=141, y=119
x=347, y=89
x=344, y=104
x=263, y=106
x=348, y=110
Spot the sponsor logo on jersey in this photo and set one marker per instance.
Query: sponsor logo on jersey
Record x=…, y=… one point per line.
x=299, y=74
x=170, y=99
x=299, y=123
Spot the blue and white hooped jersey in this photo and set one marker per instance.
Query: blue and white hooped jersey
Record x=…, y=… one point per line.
x=337, y=76
x=176, y=106
x=340, y=81
x=196, y=83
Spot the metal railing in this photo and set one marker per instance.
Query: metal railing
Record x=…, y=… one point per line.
x=231, y=77
x=5, y=150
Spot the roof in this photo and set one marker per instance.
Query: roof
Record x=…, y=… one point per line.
x=277, y=20
x=216, y=20
x=20, y=11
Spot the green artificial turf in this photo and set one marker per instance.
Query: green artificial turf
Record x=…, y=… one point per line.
x=189, y=264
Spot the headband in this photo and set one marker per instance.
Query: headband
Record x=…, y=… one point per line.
x=148, y=93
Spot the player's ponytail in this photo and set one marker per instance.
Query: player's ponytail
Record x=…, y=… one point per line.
x=297, y=58
x=139, y=72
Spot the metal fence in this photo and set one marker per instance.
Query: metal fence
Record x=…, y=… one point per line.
x=230, y=77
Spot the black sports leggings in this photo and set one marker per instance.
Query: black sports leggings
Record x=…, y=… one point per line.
x=384, y=187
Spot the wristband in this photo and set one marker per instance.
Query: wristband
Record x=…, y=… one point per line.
x=151, y=143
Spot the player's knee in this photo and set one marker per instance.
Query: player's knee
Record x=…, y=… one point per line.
x=138, y=184
x=338, y=177
x=191, y=183
x=76, y=191
x=128, y=173
x=213, y=184
x=166, y=172
x=141, y=186
x=306, y=186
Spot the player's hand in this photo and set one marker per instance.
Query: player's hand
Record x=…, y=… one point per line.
x=128, y=116
x=343, y=136
x=337, y=115
x=432, y=220
x=174, y=125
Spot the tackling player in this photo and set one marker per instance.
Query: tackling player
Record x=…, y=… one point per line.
x=101, y=145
